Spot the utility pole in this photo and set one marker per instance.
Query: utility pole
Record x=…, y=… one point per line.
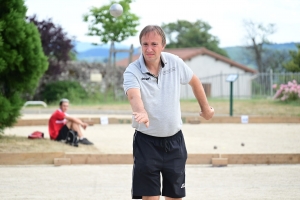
x=112, y=62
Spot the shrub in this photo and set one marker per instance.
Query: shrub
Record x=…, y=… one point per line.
x=287, y=92
x=55, y=91
x=22, y=60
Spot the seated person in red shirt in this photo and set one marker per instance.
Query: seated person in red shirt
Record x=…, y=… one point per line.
x=60, y=123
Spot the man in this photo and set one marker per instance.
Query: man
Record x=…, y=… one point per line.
x=152, y=84
x=60, y=123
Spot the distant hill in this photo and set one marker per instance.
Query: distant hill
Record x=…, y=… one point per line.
x=84, y=46
x=240, y=54
x=89, y=52
x=283, y=46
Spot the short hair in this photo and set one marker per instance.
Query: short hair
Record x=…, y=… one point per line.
x=62, y=101
x=156, y=29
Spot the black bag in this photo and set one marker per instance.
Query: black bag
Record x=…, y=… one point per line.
x=72, y=138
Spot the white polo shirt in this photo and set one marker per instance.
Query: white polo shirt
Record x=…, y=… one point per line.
x=161, y=96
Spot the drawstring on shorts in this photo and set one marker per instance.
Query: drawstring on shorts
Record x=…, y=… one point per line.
x=165, y=144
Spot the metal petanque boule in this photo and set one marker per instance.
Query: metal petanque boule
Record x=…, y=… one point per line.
x=116, y=10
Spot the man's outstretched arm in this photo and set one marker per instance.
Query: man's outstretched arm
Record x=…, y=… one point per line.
x=206, y=112
x=137, y=105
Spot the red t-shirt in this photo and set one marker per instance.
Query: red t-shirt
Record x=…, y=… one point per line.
x=56, y=122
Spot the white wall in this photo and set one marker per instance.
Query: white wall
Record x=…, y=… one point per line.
x=214, y=72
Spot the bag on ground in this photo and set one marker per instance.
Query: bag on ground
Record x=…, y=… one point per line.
x=36, y=135
x=72, y=138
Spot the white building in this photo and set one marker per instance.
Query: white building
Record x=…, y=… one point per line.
x=212, y=70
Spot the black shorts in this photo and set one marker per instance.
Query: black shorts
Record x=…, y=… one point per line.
x=63, y=132
x=155, y=157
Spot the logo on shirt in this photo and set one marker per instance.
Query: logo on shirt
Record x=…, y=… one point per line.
x=183, y=185
x=145, y=79
x=169, y=71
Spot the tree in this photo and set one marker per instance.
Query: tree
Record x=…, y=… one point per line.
x=274, y=59
x=258, y=34
x=57, y=46
x=112, y=29
x=109, y=28
x=294, y=64
x=183, y=34
x=22, y=61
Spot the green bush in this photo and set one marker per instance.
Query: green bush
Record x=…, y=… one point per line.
x=22, y=60
x=71, y=90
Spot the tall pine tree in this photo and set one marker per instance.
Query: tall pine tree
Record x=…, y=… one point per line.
x=22, y=61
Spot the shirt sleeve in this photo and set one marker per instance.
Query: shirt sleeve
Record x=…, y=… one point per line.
x=130, y=81
x=60, y=115
x=186, y=73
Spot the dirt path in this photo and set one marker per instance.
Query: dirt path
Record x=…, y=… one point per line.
x=111, y=182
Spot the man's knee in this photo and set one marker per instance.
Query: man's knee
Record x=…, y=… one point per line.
x=75, y=126
x=151, y=197
x=69, y=124
x=72, y=125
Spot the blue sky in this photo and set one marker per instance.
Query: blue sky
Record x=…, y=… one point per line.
x=225, y=16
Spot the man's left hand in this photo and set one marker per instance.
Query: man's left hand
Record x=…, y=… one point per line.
x=84, y=125
x=207, y=113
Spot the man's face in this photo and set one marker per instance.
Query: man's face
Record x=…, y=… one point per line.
x=64, y=106
x=152, y=47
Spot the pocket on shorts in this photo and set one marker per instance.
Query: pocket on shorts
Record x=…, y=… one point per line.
x=179, y=149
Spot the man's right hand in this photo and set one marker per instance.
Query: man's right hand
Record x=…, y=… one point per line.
x=141, y=117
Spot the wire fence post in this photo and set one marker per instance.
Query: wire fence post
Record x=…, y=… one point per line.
x=271, y=82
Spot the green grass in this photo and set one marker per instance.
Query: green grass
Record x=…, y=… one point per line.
x=256, y=106
x=11, y=143
x=259, y=107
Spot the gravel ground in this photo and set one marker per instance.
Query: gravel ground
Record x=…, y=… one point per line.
x=111, y=182
x=200, y=138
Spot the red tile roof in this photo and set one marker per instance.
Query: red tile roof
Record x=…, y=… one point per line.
x=189, y=53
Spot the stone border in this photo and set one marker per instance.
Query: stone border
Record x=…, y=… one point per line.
x=29, y=158
x=190, y=120
x=61, y=158
x=262, y=158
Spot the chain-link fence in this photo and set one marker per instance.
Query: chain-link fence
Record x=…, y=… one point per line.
x=262, y=84
x=247, y=85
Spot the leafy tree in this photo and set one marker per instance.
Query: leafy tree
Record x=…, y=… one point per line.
x=258, y=34
x=56, y=90
x=109, y=28
x=274, y=59
x=112, y=29
x=57, y=46
x=294, y=64
x=183, y=34
x=22, y=61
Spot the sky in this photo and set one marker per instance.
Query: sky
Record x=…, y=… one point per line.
x=224, y=16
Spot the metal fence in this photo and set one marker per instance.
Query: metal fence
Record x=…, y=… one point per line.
x=247, y=85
